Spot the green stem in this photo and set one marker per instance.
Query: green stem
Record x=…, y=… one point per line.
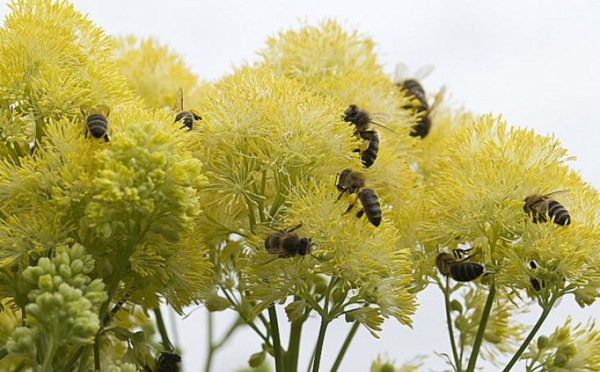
x=3, y=353
x=291, y=357
x=71, y=363
x=211, y=348
x=162, y=329
x=481, y=330
x=51, y=350
x=320, y=341
x=531, y=335
x=345, y=346
x=457, y=360
x=97, y=352
x=276, y=341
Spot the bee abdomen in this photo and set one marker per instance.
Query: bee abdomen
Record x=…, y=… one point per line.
x=97, y=125
x=369, y=156
x=466, y=271
x=187, y=118
x=421, y=129
x=560, y=213
x=371, y=206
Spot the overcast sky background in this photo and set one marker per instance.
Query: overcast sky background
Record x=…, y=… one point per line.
x=536, y=63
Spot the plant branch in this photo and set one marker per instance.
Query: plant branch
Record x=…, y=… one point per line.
x=320, y=341
x=345, y=346
x=276, y=341
x=531, y=334
x=457, y=360
x=481, y=330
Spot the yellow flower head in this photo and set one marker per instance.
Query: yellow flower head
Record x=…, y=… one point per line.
x=477, y=198
x=368, y=261
x=155, y=73
x=54, y=60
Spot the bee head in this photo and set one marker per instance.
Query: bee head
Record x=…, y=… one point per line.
x=351, y=113
x=304, y=246
x=340, y=179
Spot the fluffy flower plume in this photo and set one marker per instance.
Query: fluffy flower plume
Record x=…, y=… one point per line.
x=371, y=266
x=53, y=61
x=476, y=198
x=155, y=73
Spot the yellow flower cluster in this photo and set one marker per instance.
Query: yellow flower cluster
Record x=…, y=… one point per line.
x=155, y=73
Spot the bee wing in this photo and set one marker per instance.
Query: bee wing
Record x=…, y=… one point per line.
x=178, y=104
x=400, y=72
x=85, y=110
x=558, y=192
x=276, y=250
x=423, y=72
x=438, y=99
x=103, y=110
x=378, y=118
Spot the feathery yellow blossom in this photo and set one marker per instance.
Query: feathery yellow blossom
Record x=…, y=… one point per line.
x=369, y=262
x=476, y=198
x=155, y=73
x=568, y=349
x=53, y=61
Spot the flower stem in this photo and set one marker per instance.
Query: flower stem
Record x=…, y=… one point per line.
x=211, y=350
x=291, y=357
x=345, y=346
x=481, y=330
x=160, y=324
x=530, y=336
x=457, y=360
x=276, y=340
x=320, y=341
x=51, y=350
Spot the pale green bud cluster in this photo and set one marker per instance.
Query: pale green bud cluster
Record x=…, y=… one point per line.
x=63, y=302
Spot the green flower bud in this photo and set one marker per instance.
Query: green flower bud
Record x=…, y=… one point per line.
x=542, y=342
x=216, y=303
x=257, y=359
x=569, y=350
x=455, y=305
x=139, y=337
x=387, y=367
x=338, y=296
x=560, y=360
x=22, y=342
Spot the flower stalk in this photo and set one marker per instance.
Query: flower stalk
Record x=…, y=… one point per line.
x=481, y=330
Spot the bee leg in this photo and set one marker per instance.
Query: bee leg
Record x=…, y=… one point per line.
x=341, y=194
x=86, y=133
x=349, y=208
x=360, y=213
x=458, y=253
x=106, y=138
x=294, y=228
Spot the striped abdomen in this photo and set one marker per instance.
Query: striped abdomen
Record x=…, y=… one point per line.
x=371, y=206
x=97, y=125
x=560, y=213
x=187, y=118
x=465, y=271
x=370, y=154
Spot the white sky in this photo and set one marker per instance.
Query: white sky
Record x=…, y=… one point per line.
x=535, y=62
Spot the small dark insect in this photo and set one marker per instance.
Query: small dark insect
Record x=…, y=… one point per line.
x=167, y=362
x=96, y=121
x=455, y=266
x=188, y=117
x=362, y=121
x=286, y=243
x=534, y=282
x=353, y=183
x=420, y=106
x=540, y=207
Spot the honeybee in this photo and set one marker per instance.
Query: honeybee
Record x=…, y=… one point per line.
x=167, y=362
x=362, y=121
x=413, y=88
x=353, y=183
x=540, y=207
x=455, y=265
x=188, y=117
x=287, y=243
x=95, y=120
x=349, y=181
